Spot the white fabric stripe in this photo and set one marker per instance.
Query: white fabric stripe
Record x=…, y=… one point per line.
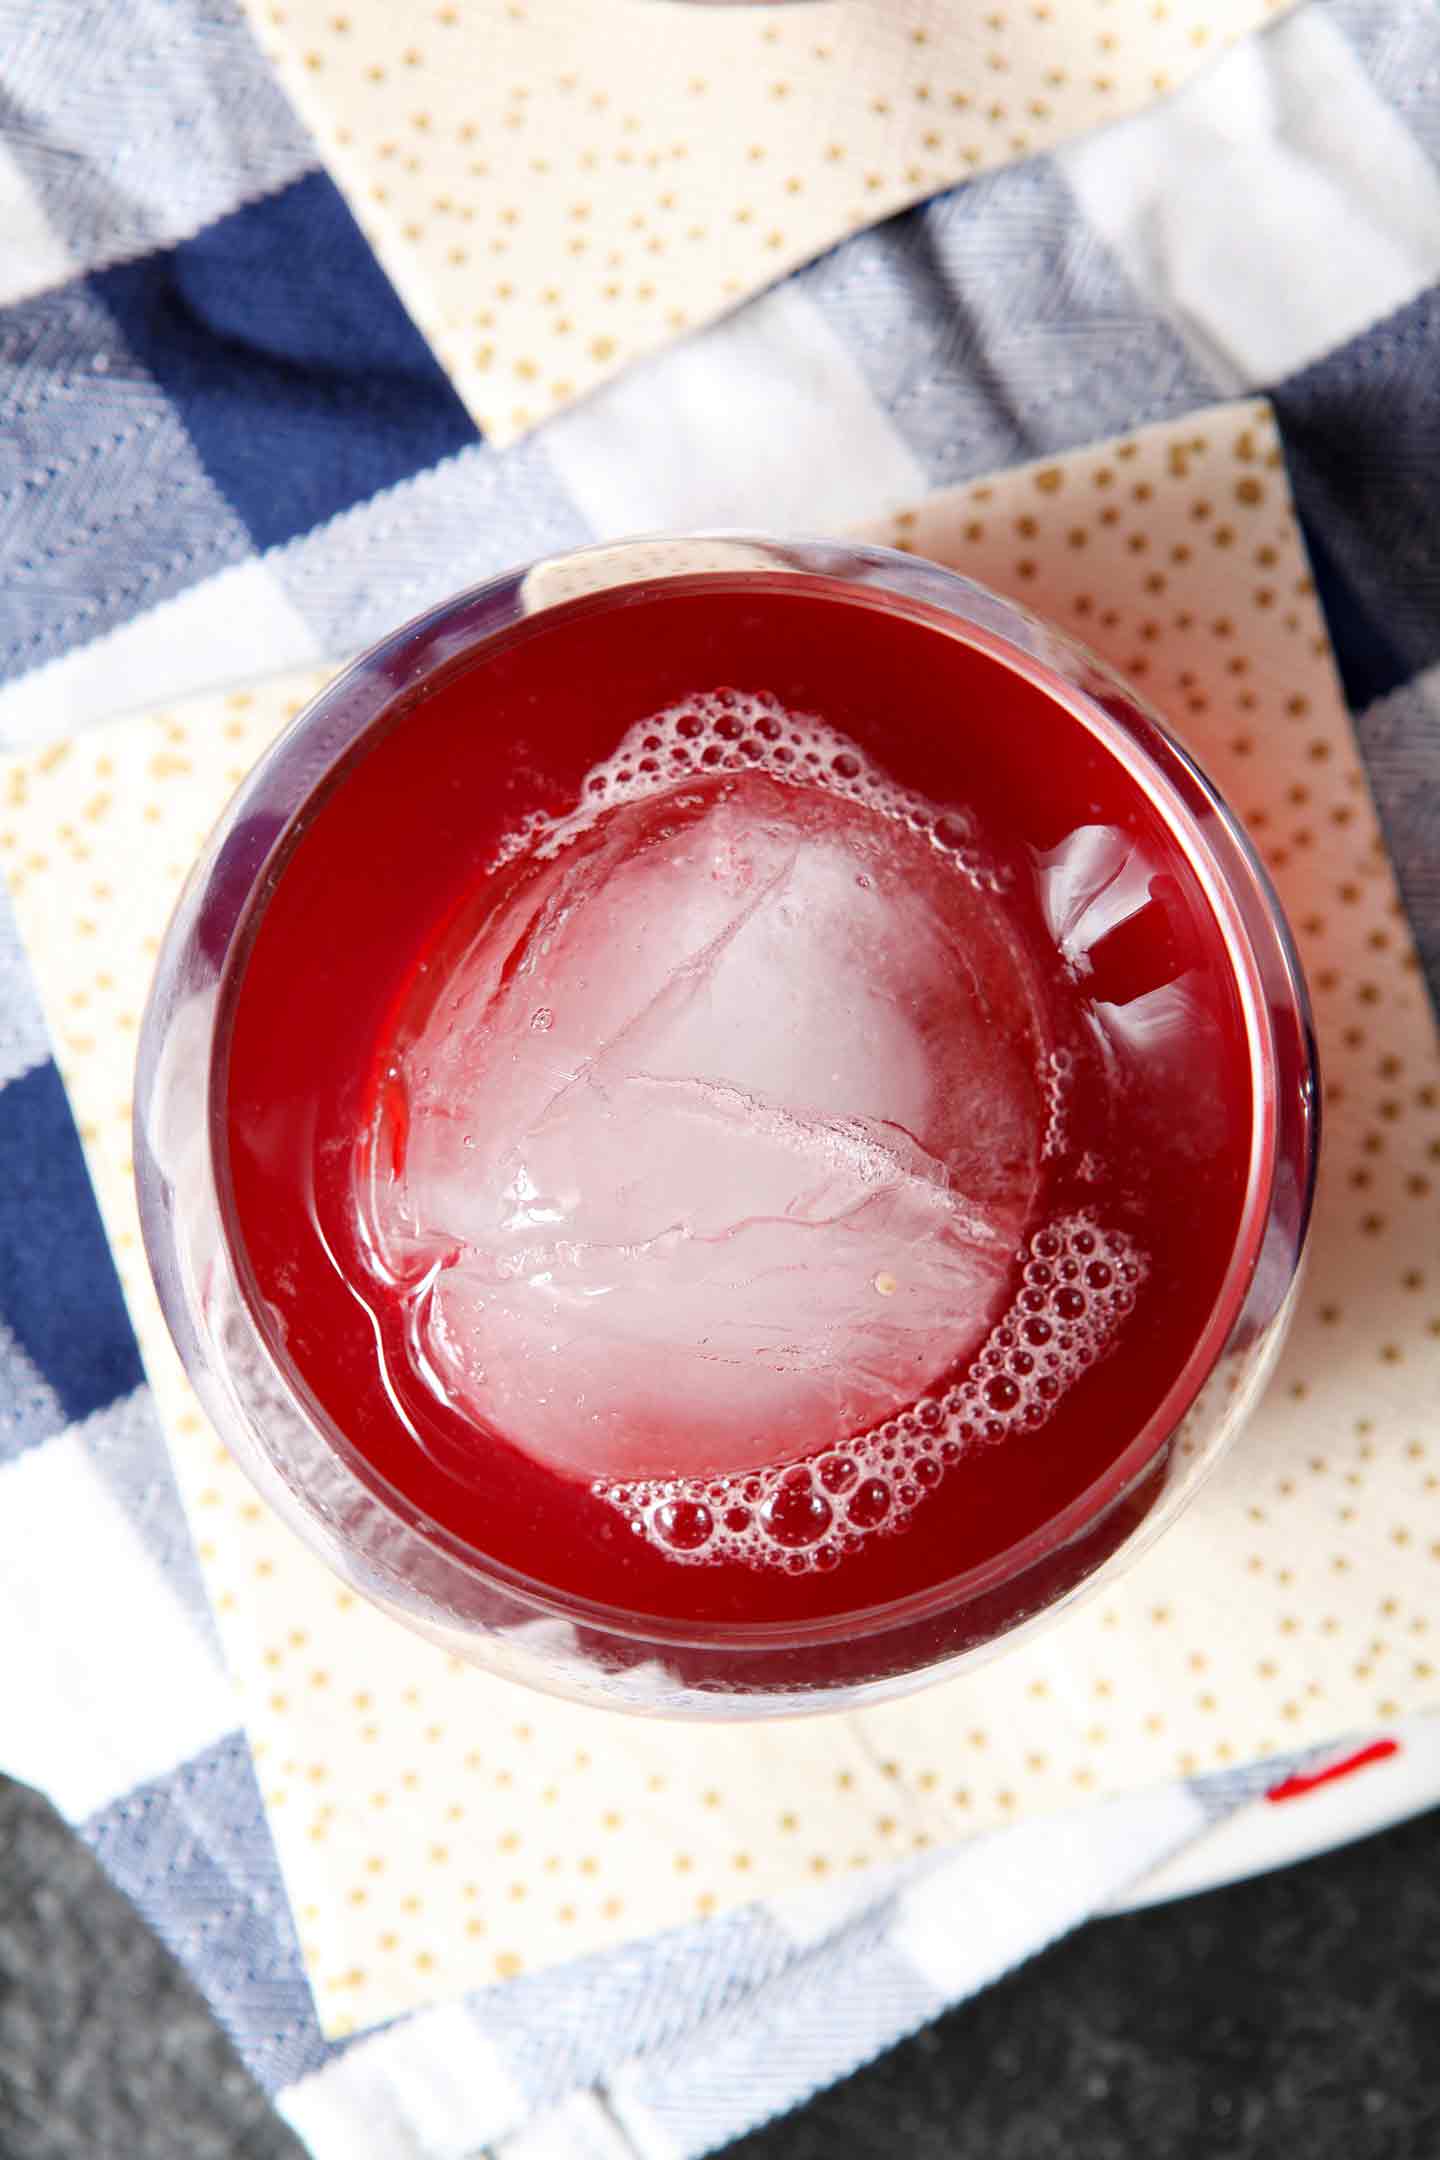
x=106, y=1680
x=1007, y=1895
x=763, y=419
x=429, y=2088
x=230, y=628
x=581, y=2128
x=1273, y=208
x=32, y=253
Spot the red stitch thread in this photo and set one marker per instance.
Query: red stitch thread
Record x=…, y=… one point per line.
x=1294, y=1788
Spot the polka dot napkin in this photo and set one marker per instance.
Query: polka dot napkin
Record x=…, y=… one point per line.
x=439, y=1828
x=556, y=186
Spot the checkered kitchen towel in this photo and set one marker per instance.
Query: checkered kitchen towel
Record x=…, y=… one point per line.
x=224, y=449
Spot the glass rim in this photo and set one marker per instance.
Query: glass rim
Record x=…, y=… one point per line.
x=1156, y=766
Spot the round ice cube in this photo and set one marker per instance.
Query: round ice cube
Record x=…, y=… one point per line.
x=716, y=1137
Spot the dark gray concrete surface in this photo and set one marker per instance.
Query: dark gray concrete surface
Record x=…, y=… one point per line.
x=106, y=2051
x=1294, y=2016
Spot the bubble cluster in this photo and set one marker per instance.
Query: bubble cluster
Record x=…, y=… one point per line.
x=1055, y=1081
x=740, y=731
x=1077, y=1283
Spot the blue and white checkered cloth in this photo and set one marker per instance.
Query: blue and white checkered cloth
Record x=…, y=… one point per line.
x=224, y=450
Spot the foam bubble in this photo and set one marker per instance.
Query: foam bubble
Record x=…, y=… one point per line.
x=1055, y=1081
x=735, y=731
x=1078, y=1282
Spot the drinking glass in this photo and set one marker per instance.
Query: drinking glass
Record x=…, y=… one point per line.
x=457, y=1596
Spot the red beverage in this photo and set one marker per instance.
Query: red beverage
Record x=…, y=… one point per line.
x=739, y=1104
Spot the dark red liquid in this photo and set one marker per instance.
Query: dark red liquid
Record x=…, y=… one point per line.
x=396, y=849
